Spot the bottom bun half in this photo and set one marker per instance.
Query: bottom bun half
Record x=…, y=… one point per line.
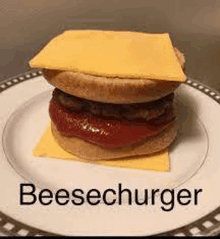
x=88, y=151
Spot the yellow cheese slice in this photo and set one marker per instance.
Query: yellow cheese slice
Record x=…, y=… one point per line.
x=48, y=147
x=113, y=54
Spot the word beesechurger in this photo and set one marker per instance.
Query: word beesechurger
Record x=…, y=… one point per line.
x=167, y=198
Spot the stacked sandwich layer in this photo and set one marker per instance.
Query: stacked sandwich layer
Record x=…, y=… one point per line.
x=97, y=115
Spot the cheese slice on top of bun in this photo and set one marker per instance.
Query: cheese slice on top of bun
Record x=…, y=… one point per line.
x=114, y=92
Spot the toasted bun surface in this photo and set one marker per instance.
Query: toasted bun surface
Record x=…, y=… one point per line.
x=112, y=90
x=88, y=151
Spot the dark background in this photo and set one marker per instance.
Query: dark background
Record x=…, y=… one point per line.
x=26, y=26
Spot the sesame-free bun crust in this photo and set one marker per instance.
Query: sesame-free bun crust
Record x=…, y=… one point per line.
x=88, y=151
x=112, y=90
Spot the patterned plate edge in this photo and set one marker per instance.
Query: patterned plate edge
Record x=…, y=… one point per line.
x=209, y=225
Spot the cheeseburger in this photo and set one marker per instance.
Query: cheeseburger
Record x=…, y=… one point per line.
x=113, y=93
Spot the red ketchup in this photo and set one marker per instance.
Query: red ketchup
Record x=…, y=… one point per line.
x=107, y=133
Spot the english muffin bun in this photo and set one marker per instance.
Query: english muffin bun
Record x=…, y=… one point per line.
x=112, y=90
x=89, y=151
x=95, y=99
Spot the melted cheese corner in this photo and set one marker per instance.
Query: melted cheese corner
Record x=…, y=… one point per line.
x=48, y=147
x=113, y=54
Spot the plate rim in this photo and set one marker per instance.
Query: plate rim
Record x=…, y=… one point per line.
x=27, y=230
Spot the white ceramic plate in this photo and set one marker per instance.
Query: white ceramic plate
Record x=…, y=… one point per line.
x=194, y=157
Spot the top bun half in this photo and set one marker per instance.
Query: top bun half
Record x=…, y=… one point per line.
x=112, y=89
